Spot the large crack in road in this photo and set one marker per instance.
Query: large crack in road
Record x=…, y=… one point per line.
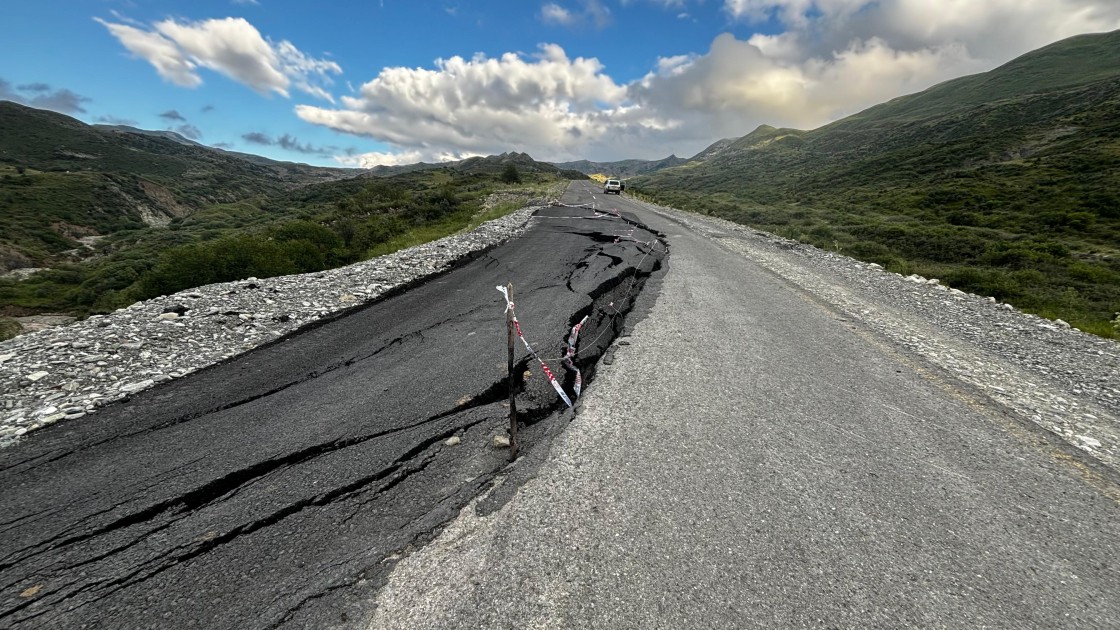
x=256, y=493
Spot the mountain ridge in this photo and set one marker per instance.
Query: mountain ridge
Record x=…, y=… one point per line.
x=621, y=168
x=1001, y=183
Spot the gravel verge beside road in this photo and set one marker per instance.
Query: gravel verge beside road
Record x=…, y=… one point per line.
x=69, y=372
x=793, y=438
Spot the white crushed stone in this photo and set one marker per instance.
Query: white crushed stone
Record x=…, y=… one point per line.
x=69, y=372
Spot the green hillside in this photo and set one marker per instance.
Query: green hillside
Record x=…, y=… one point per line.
x=622, y=168
x=1005, y=183
x=61, y=180
x=489, y=164
x=166, y=214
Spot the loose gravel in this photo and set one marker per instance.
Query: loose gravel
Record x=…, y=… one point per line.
x=70, y=372
x=1058, y=377
x=1062, y=379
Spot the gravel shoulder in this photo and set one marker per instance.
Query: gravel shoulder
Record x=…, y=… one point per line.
x=706, y=504
x=70, y=372
x=795, y=439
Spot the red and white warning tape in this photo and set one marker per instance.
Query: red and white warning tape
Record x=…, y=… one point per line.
x=532, y=352
x=567, y=360
x=570, y=353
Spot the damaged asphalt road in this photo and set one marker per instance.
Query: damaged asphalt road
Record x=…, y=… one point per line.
x=259, y=493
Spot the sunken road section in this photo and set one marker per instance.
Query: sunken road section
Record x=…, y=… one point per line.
x=276, y=487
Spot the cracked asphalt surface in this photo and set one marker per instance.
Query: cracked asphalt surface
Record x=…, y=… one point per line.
x=274, y=489
x=752, y=458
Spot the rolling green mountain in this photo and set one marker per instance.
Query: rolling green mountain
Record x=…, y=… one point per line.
x=118, y=215
x=1005, y=183
x=61, y=180
x=490, y=164
x=622, y=168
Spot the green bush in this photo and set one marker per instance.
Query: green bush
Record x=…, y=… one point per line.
x=995, y=283
x=511, y=175
x=9, y=328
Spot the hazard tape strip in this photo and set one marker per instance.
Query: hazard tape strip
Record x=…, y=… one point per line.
x=532, y=352
x=570, y=353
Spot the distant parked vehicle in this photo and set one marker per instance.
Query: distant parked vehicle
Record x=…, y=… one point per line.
x=613, y=186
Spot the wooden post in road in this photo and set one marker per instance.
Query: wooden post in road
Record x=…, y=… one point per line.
x=509, y=365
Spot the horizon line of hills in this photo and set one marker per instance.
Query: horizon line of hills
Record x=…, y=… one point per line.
x=1004, y=183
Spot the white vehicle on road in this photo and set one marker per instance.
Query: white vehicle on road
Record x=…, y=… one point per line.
x=613, y=186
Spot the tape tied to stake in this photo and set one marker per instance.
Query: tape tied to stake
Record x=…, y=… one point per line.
x=532, y=352
x=570, y=353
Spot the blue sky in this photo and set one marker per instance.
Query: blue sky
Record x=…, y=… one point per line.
x=363, y=83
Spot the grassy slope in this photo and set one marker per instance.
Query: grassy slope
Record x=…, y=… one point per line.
x=1004, y=183
x=61, y=178
x=305, y=229
x=622, y=168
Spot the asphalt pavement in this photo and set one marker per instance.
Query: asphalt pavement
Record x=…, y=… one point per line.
x=750, y=458
x=275, y=490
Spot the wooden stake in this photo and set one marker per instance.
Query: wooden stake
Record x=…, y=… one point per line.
x=509, y=364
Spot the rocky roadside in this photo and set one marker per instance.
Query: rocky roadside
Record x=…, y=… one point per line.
x=1058, y=377
x=69, y=372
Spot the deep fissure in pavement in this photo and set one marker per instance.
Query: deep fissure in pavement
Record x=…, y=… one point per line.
x=160, y=535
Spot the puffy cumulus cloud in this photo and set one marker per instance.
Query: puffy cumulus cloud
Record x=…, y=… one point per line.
x=165, y=56
x=737, y=85
x=991, y=31
x=353, y=159
x=837, y=57
x=485, y=105
x=834, y=58
x=232, y=47
x=994, y=30
x=374, y=158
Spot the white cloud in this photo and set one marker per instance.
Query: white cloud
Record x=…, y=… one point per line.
x=737, y=86
x=834, y=58
x=592, y=13
x=991, y=30
x=671, y=66
x=481, y=105
x=376, y=158
x=553, y=13
x=232, y=47
x=167, y=58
